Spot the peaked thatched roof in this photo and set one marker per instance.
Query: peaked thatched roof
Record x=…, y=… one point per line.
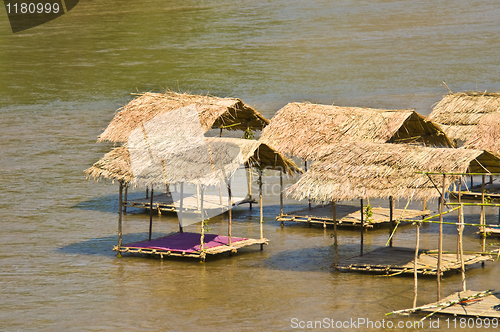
x=460, y=112
x=486, y=135
x=360, y=170
x=116, y=165
x=214, y=112
x=298, y=129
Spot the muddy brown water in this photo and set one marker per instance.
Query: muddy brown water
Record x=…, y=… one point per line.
x=62, y=82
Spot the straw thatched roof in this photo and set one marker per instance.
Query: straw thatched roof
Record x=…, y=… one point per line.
x=116, y=164
x=360, y=170
x=460, y=112
x=486, y=135
x=299, y=129
x=213, y=112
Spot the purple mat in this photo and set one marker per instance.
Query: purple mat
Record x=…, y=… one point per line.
x=184, y=242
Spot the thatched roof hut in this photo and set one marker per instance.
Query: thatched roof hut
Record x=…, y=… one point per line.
x=460, y=112
x=486, y=135
x=214, y=112
x=355, y=170
x=116, y=165
x=298, y=129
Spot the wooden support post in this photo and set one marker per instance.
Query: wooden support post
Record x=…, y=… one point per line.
x=281, y=194
x=308, y=199
x=471, y=182
x=415, y=264
x=151, y=214
x=181, y=205
x=483, y=216
x=424, y=204
x=147, y=192
x=391, y=218
x=335, y=239
x=461, y=246
x=459, y=220
x=125, y=199
x=362, y=228
x=250, y=185
x=229, y=205
x=491, y=179
x=202, y=217
x=261, y=209
x=120, y=218
x=440, y=240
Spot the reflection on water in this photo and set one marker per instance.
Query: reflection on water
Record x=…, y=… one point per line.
x=62, y=82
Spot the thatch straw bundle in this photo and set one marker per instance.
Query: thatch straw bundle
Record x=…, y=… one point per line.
x=213, y=112
x=461, y=111
x=355, y=170
x=299, y=129
x=486, y=135
x=116, y=165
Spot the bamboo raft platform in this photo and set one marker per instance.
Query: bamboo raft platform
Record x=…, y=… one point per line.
x=189, y=245
x=165, y=203
x=490, y=231
x=491, y=193
x=395, y=261
x=347, y=215
x=483, y=307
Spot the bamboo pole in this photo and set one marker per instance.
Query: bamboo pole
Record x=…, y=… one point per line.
x=461, y=246
x=391, y=218
x=151, y=213
x=362, y=227
x=415, y=274
x=483, y=216
x=335, y=236
x=250, y=185
x=440, y=240
x=309, y=200
x=202, y=215
x=229, y=205
x=181, y=207
x=281, y=194
x=459, y=220
x=120, y=218
x=125, y=199
x=261, y=210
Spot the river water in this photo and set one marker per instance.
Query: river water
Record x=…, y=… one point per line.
x=61, y=83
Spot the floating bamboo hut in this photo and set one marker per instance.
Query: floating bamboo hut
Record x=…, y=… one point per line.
x=460, y=113
x=213, y=112
x=299, y=129
x=116, y=166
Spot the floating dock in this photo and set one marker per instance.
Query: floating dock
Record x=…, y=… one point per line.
x=347, y=215
x=393, y=261
x=491, y=193
x=483, y=307
x=189, y=245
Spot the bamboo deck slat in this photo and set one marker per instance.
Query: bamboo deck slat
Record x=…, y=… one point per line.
x=164, y=202
x=482, y=308
x=401, y=260
x=347, y=215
